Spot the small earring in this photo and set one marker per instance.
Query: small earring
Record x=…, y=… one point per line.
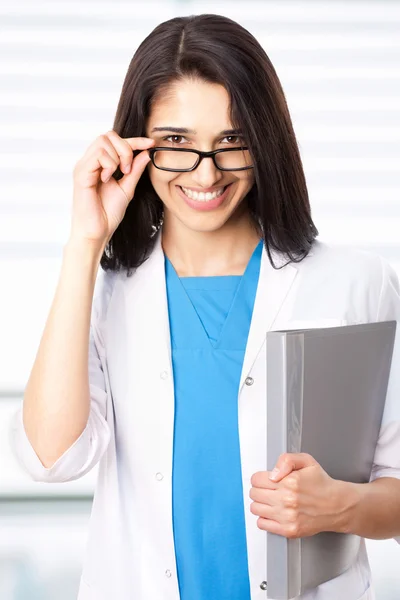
x=157, y=227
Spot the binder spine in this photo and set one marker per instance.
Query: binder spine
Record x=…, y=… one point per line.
x=294, y=391
x=284, y=399
x=294, y=356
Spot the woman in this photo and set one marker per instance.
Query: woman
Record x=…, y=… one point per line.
x=195, y=205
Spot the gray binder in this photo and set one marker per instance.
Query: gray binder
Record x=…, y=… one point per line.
x=326, y=391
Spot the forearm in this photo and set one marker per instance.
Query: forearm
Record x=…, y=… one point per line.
x=56, y=398
x=370, y=510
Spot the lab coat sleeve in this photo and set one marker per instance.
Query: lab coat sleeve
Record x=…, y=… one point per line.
x=386, y=462
x=85, y=452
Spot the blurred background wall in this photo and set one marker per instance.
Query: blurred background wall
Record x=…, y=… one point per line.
x=62, y=66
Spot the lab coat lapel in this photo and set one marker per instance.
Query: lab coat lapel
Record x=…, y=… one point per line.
x=151, y=304
x=150, y=373
x=148, y=284
x=273, y=287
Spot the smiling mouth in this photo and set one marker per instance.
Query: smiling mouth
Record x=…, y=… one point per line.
x=203, y=196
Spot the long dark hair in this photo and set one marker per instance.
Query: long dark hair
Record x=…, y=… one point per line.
x=217, y=50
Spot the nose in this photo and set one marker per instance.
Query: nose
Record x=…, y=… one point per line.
x=206, y=173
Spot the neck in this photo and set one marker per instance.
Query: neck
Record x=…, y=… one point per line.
x=210, y=253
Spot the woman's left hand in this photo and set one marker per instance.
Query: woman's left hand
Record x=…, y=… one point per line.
x=302, y=499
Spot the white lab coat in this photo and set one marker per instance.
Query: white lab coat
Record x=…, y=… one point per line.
x=130, y=551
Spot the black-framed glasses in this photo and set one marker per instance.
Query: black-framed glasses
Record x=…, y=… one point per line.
x=181, y=160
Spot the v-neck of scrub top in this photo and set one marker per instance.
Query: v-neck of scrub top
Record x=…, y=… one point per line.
x=209, y=324
x=213, y=298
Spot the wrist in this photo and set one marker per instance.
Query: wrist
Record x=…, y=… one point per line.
x=92, y=249
x=82, y=256
x=348, y=500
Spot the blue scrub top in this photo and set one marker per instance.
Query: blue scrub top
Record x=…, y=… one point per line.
x=209, y=323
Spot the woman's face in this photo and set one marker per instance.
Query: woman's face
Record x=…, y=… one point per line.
x=203, y=110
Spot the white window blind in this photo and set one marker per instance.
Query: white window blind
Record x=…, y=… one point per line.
x=62, y=65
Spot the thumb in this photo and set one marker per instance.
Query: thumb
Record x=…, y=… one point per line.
x=129, y=181
x=289, y=462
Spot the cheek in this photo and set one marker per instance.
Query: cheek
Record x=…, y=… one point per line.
x=249, y=180
x=160, y=180
x=245, y=184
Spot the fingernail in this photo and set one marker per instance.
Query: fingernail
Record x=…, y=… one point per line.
x=126, y=168
x=274, y=473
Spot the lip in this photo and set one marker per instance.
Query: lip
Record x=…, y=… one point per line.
x=203, y=205
x=205, y=190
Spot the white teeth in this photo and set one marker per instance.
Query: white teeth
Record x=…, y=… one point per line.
x=205, y=197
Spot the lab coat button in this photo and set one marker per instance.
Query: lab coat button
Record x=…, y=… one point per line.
x=263, y=585
x=163, y=374
x=249, y=381
x=159, y=476
x=168, y=573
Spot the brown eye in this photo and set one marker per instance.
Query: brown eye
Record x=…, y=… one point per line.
x=170, y=138
x=234, y=139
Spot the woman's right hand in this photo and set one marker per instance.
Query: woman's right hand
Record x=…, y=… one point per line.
x=99, y=200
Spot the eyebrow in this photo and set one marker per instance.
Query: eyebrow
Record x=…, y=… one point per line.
x=192, y=131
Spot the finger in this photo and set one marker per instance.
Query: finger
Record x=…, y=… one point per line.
x=261, y=480
x=289, y=462
x=140, y=143
x=85, y=169
x=129, y=181
x=111, y=148
x=264, y=510
x=102, y=142
x=279, y=473
x=108, y=164
x=271, y=526
x=270, y=497
x=134, y=143
x=122, y=149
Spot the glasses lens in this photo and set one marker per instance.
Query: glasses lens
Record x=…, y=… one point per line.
x=169, y=159
x=233, y=159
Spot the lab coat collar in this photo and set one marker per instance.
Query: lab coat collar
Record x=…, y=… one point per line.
x=273, y=287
